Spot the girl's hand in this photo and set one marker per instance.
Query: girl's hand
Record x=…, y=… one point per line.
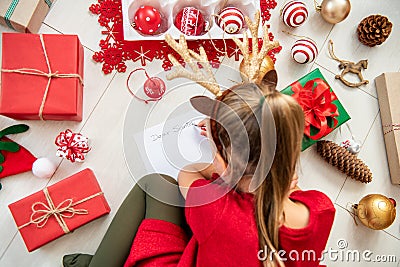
x=202, y=126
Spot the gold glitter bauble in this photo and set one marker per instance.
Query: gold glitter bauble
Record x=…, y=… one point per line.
x=335, y=11
x=267, y=71
x=376, y=211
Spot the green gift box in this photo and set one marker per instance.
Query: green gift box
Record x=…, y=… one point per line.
x=323, y=111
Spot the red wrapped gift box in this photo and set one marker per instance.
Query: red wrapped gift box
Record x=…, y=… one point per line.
x=68, y=205
x=26, y=76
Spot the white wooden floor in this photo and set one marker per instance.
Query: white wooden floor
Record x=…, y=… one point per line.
x=106, y=101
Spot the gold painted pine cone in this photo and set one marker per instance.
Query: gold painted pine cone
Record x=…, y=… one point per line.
x=344, y=160
x=374, y=30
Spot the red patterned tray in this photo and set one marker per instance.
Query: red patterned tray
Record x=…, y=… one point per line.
x=115, y=50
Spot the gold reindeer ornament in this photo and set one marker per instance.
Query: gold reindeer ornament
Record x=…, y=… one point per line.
x=349, y=67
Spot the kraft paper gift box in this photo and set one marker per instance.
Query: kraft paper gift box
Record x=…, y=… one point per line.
x=24, y=15
x=388, y=89
x=59, y=209
x=42, y=77
x=322, y=109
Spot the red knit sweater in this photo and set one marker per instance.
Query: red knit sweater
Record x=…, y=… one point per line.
x=225, y=233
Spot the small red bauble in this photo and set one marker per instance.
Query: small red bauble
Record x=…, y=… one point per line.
x=147, y=20
x=190, y=21
x=154, y=87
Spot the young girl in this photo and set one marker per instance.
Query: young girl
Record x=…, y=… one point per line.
x=276, y=222
x=244, y=209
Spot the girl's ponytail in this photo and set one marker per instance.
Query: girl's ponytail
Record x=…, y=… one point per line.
x=274, y=180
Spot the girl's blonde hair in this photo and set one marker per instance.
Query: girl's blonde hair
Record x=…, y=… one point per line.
x=272, y=174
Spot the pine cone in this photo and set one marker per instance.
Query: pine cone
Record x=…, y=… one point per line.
x=374, y=30
x=344, y=160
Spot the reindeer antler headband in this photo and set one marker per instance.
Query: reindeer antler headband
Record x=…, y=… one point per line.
x=206, y=78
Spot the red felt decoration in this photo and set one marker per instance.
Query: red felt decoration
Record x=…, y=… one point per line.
x=190, y=21
x=16, y=162
x=15, y=159
x=147, y=20
x=115, y=51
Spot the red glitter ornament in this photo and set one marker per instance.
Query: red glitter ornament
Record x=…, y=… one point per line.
x=153, y=87
x=190, y=21
x=147, y=20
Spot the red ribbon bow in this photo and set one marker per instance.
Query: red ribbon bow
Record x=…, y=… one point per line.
x=317, y=105
x=72, y=146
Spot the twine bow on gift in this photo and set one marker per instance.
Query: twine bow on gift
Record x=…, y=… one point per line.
x=41, y=212
x=49, y=75
x=72, y=146
x=316, y=100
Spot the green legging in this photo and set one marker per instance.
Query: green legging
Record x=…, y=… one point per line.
x=138, y=205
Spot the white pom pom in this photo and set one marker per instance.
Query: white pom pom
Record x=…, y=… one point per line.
x=43, y=168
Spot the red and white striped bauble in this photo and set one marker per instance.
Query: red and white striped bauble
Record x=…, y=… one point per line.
x=304, y=51
x=230, y=20
x=294, y=13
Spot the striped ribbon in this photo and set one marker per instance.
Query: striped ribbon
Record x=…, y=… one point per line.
x=48, y=2
x=9, y=13
x=11, y=10
x=392, y=127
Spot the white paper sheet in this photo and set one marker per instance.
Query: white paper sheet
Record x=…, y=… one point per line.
x=168, y=147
